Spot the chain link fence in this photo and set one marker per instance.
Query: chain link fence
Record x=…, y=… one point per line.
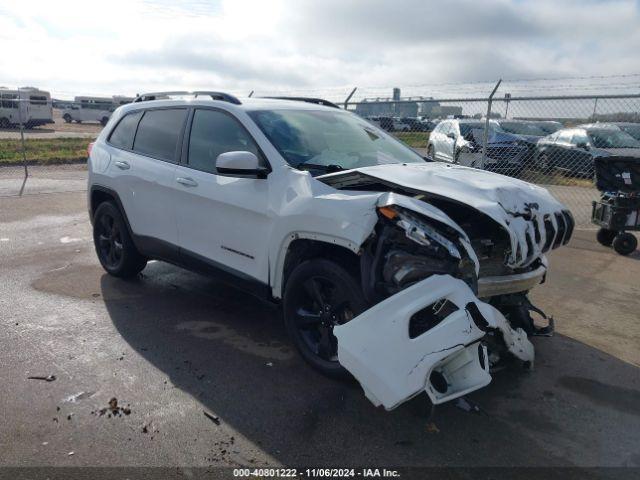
x=40, y=154
x=550, y=140
x=546, y=140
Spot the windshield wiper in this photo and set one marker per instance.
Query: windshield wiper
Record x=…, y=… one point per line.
x=325, y=168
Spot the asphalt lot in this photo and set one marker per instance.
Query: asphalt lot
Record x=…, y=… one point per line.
x=173, y=344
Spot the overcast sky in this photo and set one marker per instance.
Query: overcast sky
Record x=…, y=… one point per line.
x=127, y=46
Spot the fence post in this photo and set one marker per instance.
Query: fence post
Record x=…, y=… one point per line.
x=346, y=102
x=485, y=136
x=595, y=109
x=24, y=148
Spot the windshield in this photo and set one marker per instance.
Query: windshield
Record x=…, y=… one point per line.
x=611, y=138
x=523, y=128
x=633, y=130
x=329, y=141
x=474, y=130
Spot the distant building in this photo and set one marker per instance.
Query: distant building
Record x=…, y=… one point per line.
x=396, y=106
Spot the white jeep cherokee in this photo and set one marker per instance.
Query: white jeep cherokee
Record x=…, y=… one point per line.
x=411, y=275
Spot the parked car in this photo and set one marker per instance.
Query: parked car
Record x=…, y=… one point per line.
x=386, y=123
x=632, y=129
x=460, y=141
x=573, y=149
x=529, y=132
x=314, y=208
x=428, y=124
x=400, y=125
x=414, y=124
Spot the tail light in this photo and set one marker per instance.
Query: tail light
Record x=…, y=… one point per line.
x=89, y=148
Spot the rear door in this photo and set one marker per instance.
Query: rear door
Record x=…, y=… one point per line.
x=145, y=174
x=222, y=220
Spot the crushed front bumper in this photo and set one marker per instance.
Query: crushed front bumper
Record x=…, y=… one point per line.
x=446, y=360
x=503, y=285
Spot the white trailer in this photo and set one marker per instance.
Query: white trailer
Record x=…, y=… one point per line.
x=30, y=106
x=90, y=109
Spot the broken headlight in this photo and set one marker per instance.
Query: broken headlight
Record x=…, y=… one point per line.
x=419, y=231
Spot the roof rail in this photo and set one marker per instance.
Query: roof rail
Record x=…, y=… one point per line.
x=318, y=101
x=225, y=97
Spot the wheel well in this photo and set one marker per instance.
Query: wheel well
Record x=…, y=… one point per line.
x=304, y=249
x=98, y=197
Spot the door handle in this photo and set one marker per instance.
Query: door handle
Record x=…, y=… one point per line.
x=187, y=181
x=122, y=165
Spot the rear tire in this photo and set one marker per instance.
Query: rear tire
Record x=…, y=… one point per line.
x=625, y=243
x=605, y=236
x=103, y=121
x=319, y=295
x=114, y=246
x=67, y=118
x=4, y=123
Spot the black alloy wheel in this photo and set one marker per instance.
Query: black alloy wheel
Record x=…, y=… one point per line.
x=319, y=296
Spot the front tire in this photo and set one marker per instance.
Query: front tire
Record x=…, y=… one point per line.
x=114, y=246
x=104, y=121
x=319, y=295
x=67, y=118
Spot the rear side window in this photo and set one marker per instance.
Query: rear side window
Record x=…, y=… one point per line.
x=122, y=135
x=158, y=133
x=213, y=133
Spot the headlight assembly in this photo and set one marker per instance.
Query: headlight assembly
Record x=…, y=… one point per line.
x=419, y=231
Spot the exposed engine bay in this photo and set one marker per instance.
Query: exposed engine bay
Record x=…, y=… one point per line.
x=425, y=276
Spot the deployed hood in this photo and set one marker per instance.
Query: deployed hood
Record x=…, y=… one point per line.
x=512, y=203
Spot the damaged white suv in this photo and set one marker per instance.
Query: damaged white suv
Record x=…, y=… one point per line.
x=409, y=274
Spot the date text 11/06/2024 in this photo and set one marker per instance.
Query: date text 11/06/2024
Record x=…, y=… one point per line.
x=316, y=473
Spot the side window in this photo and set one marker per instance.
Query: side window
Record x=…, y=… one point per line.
x=212, y=133
x=158, y=133
x=122, y=135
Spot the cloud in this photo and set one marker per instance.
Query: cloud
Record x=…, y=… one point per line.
x=289, y=45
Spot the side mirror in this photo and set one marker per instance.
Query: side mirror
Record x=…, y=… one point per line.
x=451, y=135
x=583, y=145
x=240, y=164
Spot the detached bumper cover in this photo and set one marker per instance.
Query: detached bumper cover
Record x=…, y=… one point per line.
x=447, y=360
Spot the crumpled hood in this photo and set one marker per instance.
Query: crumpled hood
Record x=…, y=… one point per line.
x=510, y=202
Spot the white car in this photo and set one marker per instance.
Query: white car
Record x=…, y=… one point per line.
x=460, y=141
x=410, y=275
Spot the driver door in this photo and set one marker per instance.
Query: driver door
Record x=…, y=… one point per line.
x=223, y=220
